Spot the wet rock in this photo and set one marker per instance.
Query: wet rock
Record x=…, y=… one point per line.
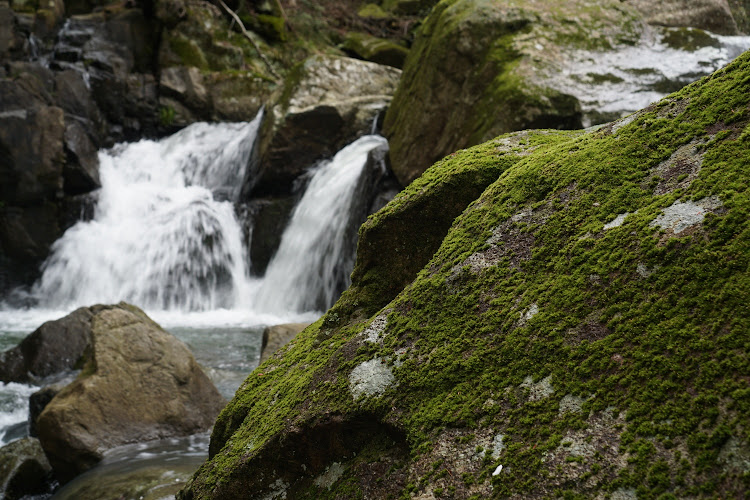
x=38, y=402
x=81, y=171
x=277, y=336
x=139, y=383
x=327, y=103
x=24, y=470
x=32, y=142
x=267, y=219
x=55, y=347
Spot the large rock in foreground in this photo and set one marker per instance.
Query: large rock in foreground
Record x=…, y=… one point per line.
x=139, y=383
x=582, y=332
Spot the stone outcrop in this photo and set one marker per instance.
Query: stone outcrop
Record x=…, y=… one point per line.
x=24, y=470
x=138, y=383
x=419, y=217
x=327, y=102
x=578, y=333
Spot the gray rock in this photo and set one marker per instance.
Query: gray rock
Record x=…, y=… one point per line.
x=32, y=143
x=24, y=470
x=81, y=171
x=327, y=103
x=139, y=383
x=55, y=347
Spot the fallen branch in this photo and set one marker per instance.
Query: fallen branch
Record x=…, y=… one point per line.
x=247, y=35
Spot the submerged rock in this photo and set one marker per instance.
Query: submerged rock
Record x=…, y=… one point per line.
x=532, y=357
x=139, y=383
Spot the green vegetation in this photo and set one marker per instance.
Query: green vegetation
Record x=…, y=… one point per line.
x=528, y=301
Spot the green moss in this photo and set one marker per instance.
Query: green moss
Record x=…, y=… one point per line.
x=188, y=52
x=166, y=116
x=528, y=291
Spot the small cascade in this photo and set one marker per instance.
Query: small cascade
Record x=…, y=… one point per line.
x=313, y=262
x=164, y=234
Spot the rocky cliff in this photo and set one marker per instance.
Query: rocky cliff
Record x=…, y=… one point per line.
x=579, y=332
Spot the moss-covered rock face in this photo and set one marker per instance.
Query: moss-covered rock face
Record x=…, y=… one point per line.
x=581, y=332
x=474, y=65
x=480, y=68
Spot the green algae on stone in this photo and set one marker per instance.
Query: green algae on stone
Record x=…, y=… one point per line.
x=529, y=304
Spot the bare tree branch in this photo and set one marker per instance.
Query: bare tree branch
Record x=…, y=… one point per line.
x=247, y=35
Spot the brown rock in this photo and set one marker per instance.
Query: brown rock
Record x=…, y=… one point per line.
x=139, y=384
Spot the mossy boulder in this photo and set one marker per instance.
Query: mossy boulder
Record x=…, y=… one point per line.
x=377, y=50
x=480, y=68
x=466, y=80
x=24, y=470
x=581, y=332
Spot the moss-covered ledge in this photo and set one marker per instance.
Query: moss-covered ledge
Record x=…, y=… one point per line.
x=581, y=332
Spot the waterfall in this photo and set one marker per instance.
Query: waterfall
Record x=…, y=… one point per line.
x=313, y=262
x=164, y=234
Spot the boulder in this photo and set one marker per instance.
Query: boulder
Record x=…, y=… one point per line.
x=480, y=68
x=277, y=336
x=464, y=82
x=579, y=333
x=24, y=470
x=326, y=102
x=419, y=217
x=139, y=383
x=53, y=348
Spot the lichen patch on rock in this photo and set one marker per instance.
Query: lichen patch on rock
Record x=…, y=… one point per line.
x=332, y=474
x=538, y=390
x=370, y=378
x=376, y=330
x=679, y=216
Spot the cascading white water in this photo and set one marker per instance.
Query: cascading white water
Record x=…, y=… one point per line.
x=306, y=271
x=163, y=235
